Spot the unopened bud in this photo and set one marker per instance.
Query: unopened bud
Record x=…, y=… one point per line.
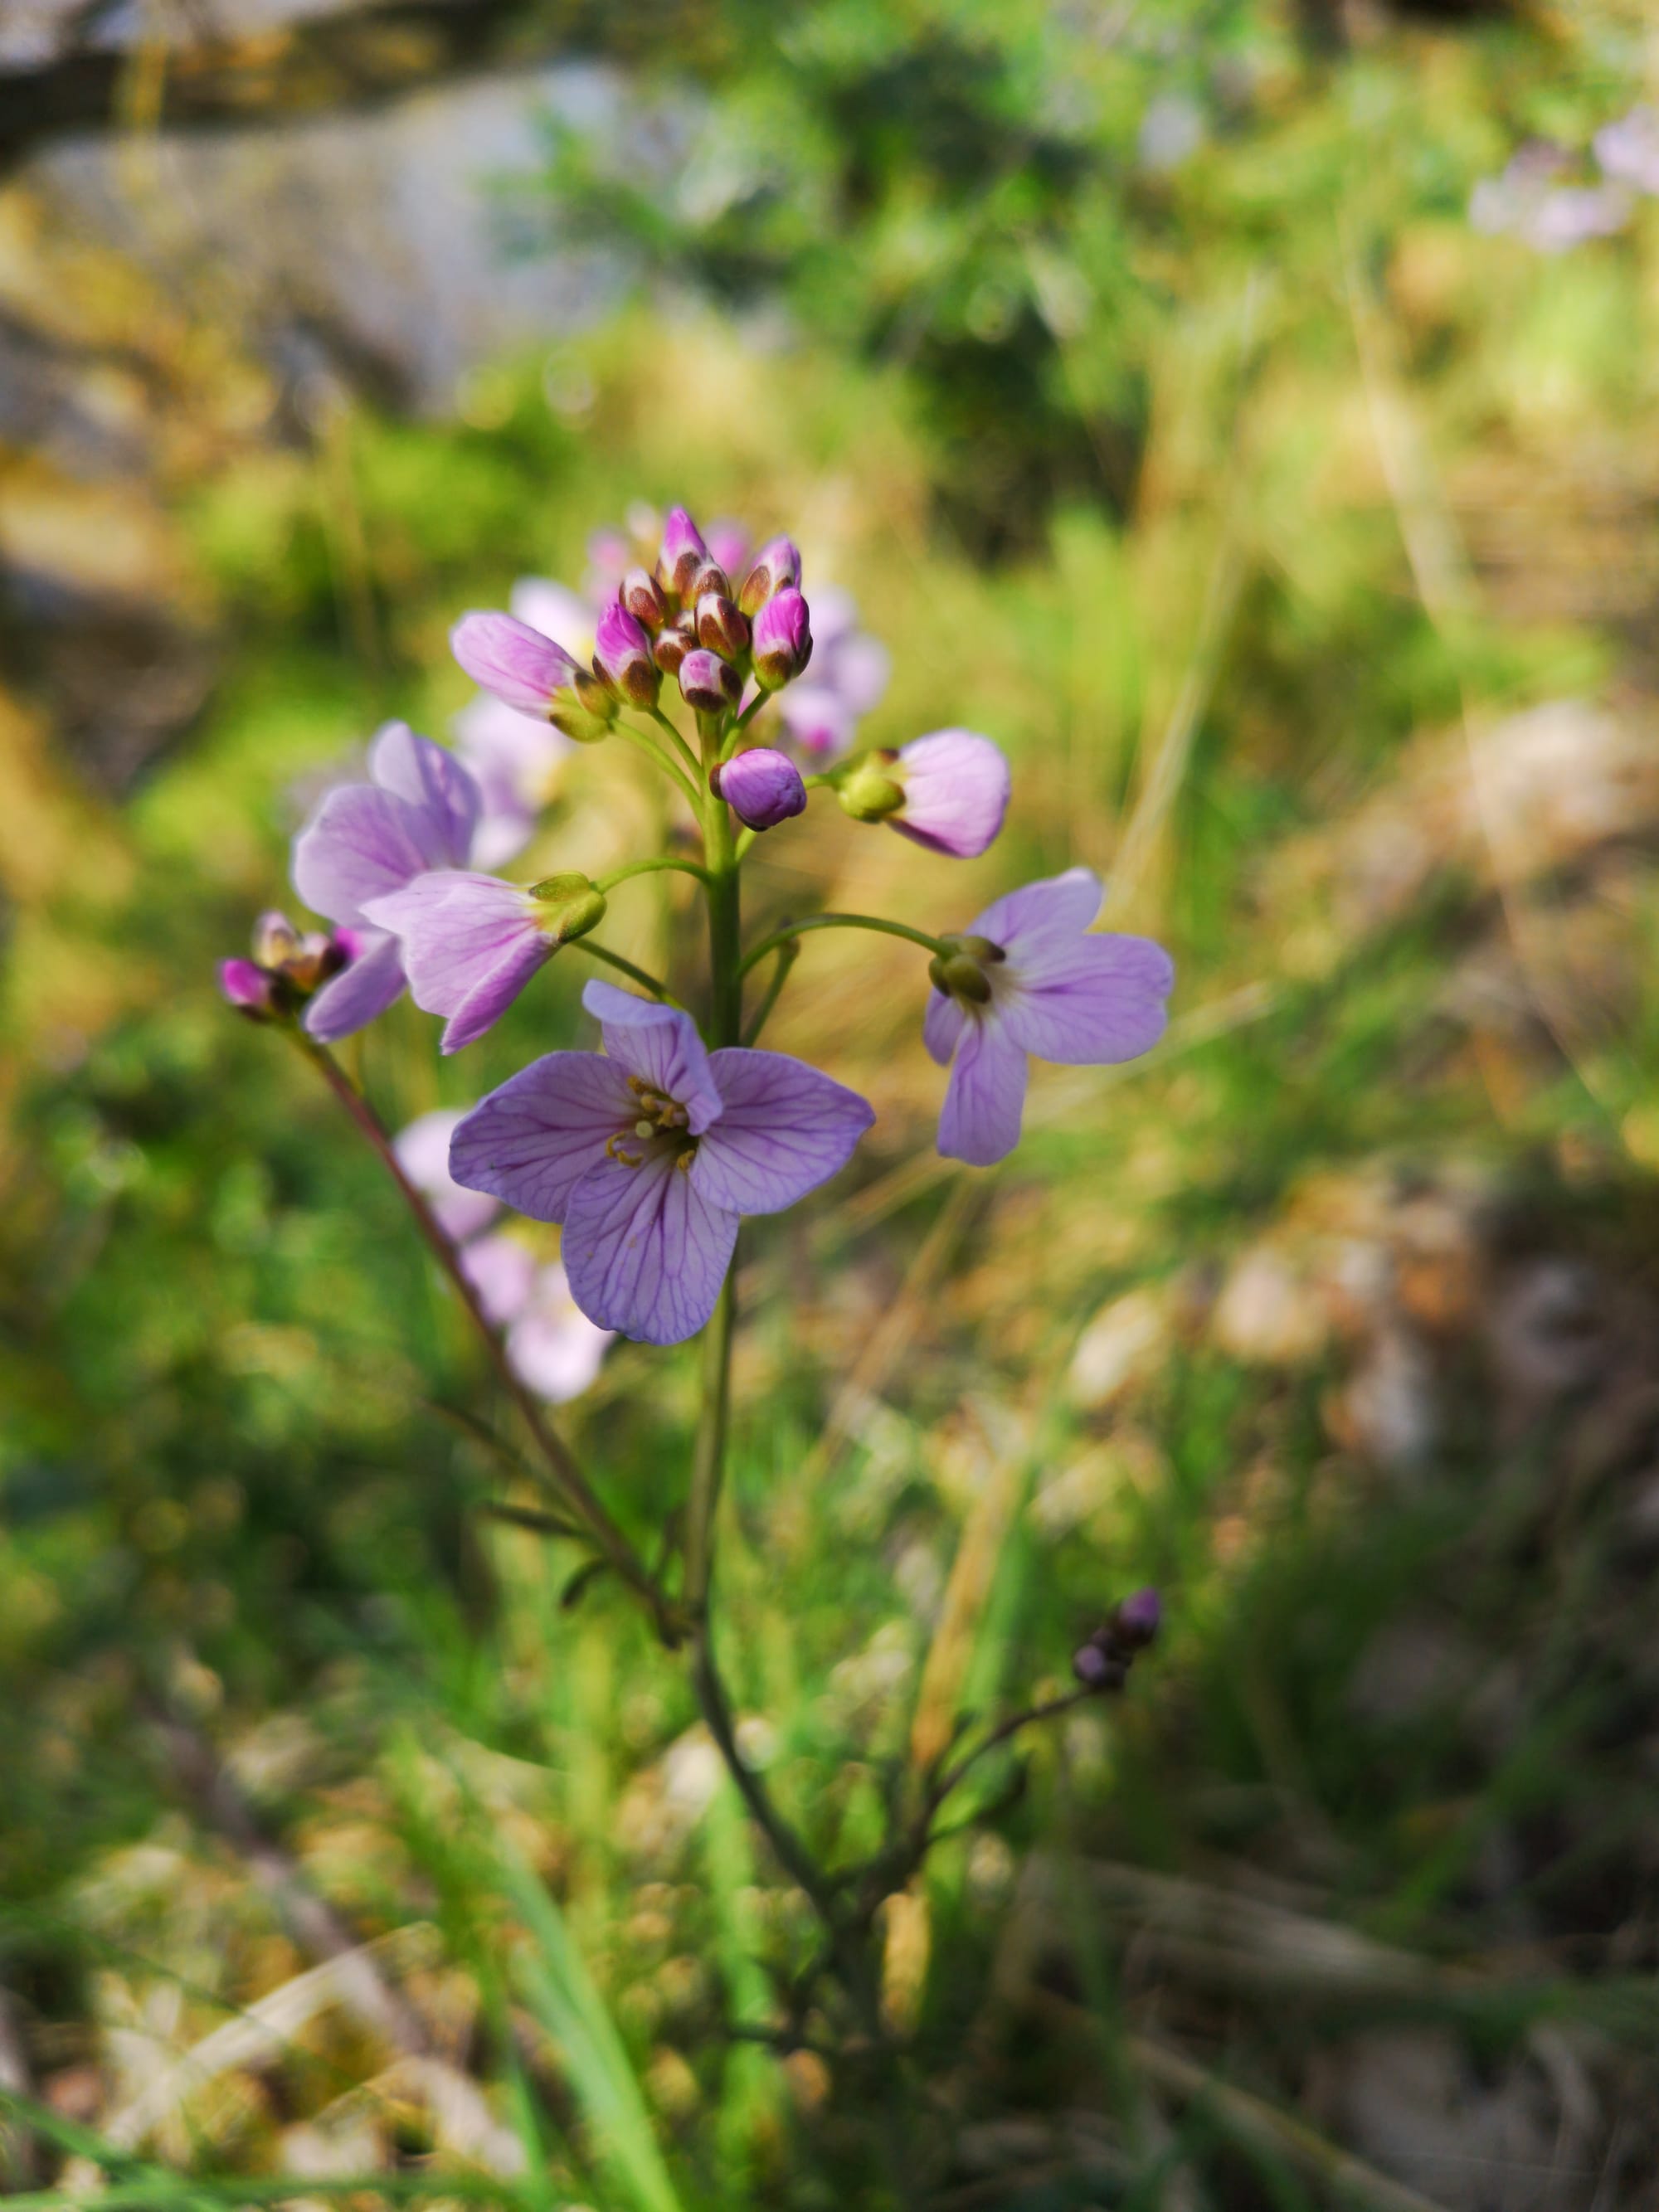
x=711, y=577
x=1137, y=1619
x=641, y=595
x=762, y=787
x=776, y=567
x=960, y=977
x=782, y=639
x=275, y=941
x=570, y=906
x=1096, y=1669
x=622, y=658
x=683, y=552
x=671, y=646
x=721, y=627
x=867, y=791
x=583, y=709
x=708, y=684
x=248, y=988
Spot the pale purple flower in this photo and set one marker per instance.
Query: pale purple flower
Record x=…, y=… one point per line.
x=515, y=756
x=423, y=1153
x=1526, y=201
x=850, y=670
x=501, y=1271
x=554, y=1347
x=1628, y=148
x=471, y=942
x=649, y=1151
x=368, y=840
x=760, y=786
x=956, y=785
x=728, y=545
x=782, y=638
x=1027, y=979
x=517, y=663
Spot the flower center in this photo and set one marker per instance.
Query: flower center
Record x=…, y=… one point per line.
x=660, y=1121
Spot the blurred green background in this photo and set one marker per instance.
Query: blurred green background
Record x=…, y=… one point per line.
x=1140, y=371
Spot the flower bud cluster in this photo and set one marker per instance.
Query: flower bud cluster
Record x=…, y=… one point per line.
x=1103, y=1663
x=687, y=619
x=288, y=967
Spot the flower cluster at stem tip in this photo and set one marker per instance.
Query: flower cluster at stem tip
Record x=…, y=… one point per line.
x=648, y=1152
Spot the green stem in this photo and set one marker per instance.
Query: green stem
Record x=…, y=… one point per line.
x=708, y=1462
x=839, y=922
x=615, y=960
x=648, y=746
x=742, y=723
x=726, y=962
x=567, y=1478
x=693, y=766
x=650, y=868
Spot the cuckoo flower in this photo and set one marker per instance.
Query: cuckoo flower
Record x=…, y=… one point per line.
x=423, y=1153
x=649, y=1151
x=1026, y=978
x=368, y=839
x=553, y=1346
x=471, y=943
x=948, y=792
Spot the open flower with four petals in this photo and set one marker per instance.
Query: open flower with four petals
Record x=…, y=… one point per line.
x=650, y=1151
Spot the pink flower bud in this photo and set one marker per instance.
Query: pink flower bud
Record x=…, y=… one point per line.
x=760, y=786
x=672, y=645
x=782, y=638
x=776, y=567
x=641, y=595
x=708, y=684
x=721, y=627
x=517, y=663
x=248, y=988
x=683, y=552
x=622, y=658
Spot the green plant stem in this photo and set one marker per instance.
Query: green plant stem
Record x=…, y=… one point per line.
x=726, y=965
x=566, y=1478
x=648, y=746
x=794, y=929
x=651, y=867
x=709, y=1460
x=626, y=966
x=692, y=765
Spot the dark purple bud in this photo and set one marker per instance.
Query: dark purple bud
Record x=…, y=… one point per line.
x=622, y=658
x=721, y=627
x=709, y=683
x=711, y=577
x=782, y=638
x=1096, y=1669
x=760, y=786
x=1137, y=1619
x=776, y=567
x=683, y=552
x=641, y=595
x=248, y=988
x=671, y=646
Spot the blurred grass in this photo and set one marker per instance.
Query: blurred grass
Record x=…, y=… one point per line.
x=1335, y=1317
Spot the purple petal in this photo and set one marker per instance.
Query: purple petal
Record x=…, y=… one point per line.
x=784, y=1129
x=532, y=1140
x=985, y=1097
x=553, y=1346
x=1048, y=912
x=554, y=609
x=645, y=1251
x=857, y=669
x=358, y=992
x=941, y=1025
x=762, y=787
x=1092, y=1001
x=470, y=944
x=956, y=792
x=359, y=845
x=435, y=785
x=507, y=657
x=423, y=1150
x=244, y=984
x=503, y=1273
x=818, y=719
x=660, y=1045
